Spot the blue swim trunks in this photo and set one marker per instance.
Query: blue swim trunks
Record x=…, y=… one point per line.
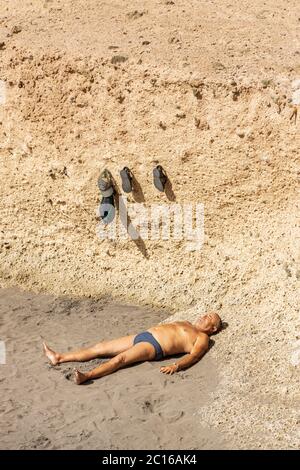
x=147, y=337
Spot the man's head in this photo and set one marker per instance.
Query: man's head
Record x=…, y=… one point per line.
x=209, y=323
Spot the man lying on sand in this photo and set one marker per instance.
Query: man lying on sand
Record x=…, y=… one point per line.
x=153, y=344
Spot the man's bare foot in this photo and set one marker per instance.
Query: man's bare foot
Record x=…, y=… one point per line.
x=52, y=355
x=79, y=377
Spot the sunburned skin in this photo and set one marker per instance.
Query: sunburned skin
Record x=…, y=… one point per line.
x=174, y=338
x=178, y=337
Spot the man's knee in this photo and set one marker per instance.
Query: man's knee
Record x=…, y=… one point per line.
x=119, y=360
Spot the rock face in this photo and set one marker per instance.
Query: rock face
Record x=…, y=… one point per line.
x=213, y=99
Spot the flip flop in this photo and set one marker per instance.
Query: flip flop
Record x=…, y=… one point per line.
x=126, y=177
x=107, y=209
x=107, y=204
x=159, y=178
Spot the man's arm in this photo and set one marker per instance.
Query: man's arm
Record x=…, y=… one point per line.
x=199, y=349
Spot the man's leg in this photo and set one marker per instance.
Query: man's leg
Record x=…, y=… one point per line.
x=138, y=353
x=104, y=349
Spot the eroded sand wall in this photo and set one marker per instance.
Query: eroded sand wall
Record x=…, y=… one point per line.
x=63, y=121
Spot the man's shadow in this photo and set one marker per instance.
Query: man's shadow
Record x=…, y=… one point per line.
x=224, y=326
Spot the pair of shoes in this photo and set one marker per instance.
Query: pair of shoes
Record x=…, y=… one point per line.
x=159, y=179
x=105, y=183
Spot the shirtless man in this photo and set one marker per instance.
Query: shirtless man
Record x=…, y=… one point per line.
x=153, y=344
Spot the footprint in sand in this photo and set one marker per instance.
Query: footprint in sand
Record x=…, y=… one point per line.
x=41, y=442
x=68, y=375
x=172, y=417
x=148, y=407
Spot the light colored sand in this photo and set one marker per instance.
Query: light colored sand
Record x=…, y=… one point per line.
x=210, y=98
x=137, y=408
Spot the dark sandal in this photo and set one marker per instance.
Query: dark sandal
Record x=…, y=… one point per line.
x=107, y=209
x=126, y=177
x=107, y=204
x=159, y=178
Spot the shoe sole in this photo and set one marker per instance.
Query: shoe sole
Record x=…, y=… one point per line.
x=126, y=180
x=159, y=179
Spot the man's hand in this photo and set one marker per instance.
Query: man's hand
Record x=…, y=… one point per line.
x=199, y=349
x=169, y=369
